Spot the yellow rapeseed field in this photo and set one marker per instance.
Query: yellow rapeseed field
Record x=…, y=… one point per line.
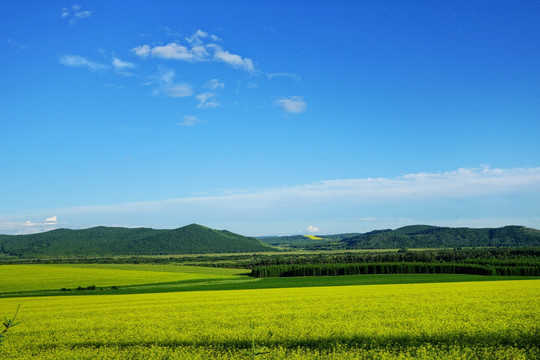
x=489, y=320
x=313, y=237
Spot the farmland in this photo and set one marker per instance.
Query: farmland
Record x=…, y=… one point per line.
x=435, y=320
x=75, y=279
x=43, y=277
x=175, y=311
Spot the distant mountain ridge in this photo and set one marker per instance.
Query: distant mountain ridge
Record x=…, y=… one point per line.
x=197, y=239
x=417, y=236
x=420, y=236
x=111, y=241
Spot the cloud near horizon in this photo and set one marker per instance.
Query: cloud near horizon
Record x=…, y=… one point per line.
x=462, y=183
x=366, y=200
x=28, y=226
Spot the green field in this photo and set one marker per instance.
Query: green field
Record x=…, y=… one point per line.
x=16, y=278
x=486, y=320
x=48, y=280
x=190, y=312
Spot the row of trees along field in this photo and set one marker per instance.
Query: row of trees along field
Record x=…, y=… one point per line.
x=392, y=268
x=494, y=256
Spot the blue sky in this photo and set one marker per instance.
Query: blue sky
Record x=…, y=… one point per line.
x=269, y=117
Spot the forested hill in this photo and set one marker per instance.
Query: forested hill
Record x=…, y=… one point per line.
x=425, y=236
x=413, y=236
x=191, y=239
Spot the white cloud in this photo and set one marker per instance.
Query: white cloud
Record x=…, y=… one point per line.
x=166, y=76
x=15, y=44
x=75, y=13
x=197, y=37
x=176, y=51
x=168, y=87
x=459, y=184
x=142, y=50
x=294, y=105
x=313, y=229
x=177, y=90
x=52, y=219
x=208, y=104
x=204, y=100
x=463, y=197
x=189, y=120
x=80, y=61
x=275, y=75
x=122, y=67
x=232, y=59
x=26, y=227
x=196, y=50
x=83, y=14
x=215, y=84
x=199, y=52
x=204, y=96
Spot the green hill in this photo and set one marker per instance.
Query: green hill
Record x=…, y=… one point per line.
x=305, y=242
x=425, y=236
x=111, y=241
x=414, y=236
x=285, y=240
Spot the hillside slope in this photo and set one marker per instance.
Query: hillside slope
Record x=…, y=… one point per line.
x=425, y=236
x=110, y=241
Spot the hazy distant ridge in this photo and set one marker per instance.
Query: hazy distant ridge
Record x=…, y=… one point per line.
x=420, y=236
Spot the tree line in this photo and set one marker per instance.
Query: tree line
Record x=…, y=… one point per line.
x=391, y=268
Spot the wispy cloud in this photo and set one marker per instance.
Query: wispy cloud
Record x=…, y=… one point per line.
x=232, y=59
x=197, y=38
x=74, y=13
x=142, y=50
x=189, y=120
x=293, y=105
x=214, y=84
x=168, y=87
x=28, y=226
x=51, y=220
x=459, y=184
x=173, y=51
x=177, y=90
x=312, y=229
x=271, y=76
x=206, y=100
x=475, y=195
x=122, y=67
x=197, y=49
x=80, y=61
x=16, y=45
